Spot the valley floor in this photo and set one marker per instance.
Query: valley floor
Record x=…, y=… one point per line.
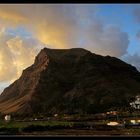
x=61, y=128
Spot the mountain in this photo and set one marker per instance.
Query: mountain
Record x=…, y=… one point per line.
x=71, y=81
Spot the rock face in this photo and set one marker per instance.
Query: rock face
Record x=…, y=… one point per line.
x=71, y=81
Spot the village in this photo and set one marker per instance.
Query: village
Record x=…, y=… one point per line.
x=133, y=119
x=103, y=122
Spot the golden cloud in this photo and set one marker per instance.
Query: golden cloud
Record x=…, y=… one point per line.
x=12, y=17
x=59, y=26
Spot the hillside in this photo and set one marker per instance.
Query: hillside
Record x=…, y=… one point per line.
x=71, y=81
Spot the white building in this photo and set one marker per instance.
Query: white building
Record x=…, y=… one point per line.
x=55, y=115
x=136, y=103
x=113, y=123
x=7, y=118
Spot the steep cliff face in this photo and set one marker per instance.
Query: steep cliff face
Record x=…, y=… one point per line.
x=71, y=81
x=18, y=95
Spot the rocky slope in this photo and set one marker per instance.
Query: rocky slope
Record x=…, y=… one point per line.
x=71, y=81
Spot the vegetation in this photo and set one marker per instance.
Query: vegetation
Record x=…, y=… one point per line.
x=86, y=123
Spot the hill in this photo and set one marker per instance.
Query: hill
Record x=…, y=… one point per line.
x=71, y=81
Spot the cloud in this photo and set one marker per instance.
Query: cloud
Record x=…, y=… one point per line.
x=65, y=26
x=52, y=24
x=66, y=30
x=23, y=52
x=15, y=55
x=109, y=41
x=136, y=13
x=58, y=26
x=5, y=59
x=138, y=35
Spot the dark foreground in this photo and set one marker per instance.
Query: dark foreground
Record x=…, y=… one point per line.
x=63, y=128
x=74, y=132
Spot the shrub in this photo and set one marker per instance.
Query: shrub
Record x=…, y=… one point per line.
x=32, y=128
x=5, y=130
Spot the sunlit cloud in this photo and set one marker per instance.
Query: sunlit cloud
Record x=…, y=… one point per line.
x=16, y=55
x=64, y=26
x=8, y=16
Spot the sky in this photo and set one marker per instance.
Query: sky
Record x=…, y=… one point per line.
x=105, y=29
